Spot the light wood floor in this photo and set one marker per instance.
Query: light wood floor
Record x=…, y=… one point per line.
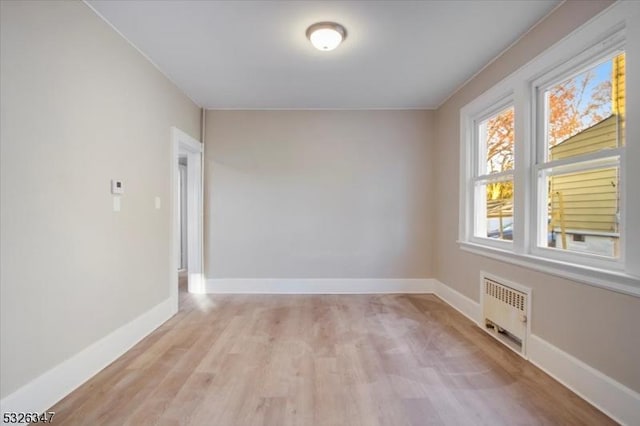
x=321, y=360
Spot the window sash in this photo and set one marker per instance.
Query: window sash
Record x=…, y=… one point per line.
x=494, y=177
x=602, y=51
x=477, y=202
x=596, y=41
x=543, y=166
x=540, y=230
x=596, y=160
x=479, y=150
x=479, y=208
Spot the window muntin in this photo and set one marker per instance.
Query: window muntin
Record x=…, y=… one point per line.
x=493, y=192
x=595, y=43
x=583, y=128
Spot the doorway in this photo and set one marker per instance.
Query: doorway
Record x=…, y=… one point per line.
x=187, y=214
x=182, y=219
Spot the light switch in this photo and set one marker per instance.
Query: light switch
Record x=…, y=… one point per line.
x=117, y=187
x=157, y=202
x=116, y=203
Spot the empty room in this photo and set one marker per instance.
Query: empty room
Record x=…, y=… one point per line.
x=320, y=212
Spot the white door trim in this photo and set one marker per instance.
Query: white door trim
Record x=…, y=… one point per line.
x=183, y=144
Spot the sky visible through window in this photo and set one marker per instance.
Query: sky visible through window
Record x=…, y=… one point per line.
x=579, y=102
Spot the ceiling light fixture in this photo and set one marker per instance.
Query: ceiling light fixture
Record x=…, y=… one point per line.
x=326, y=36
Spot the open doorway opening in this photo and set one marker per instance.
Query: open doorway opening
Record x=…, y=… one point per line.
x=187, y=216
x=183, y=267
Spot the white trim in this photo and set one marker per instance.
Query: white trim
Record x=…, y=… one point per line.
x=543, y=167
x=182, y=143
x=618, y=23
x=471, y=115
x=608, y=395
x=319, y=285
x=611, y=397
x=594, y=160
x=631, y=203
x=458, y=301
x=619, y=282
x=44, y=391
x=186, y=141
x=494, y=177
x=361, y=108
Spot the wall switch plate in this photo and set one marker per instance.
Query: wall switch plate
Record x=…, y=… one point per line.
x=117, y=187
x=157, y=202
x=116, y=204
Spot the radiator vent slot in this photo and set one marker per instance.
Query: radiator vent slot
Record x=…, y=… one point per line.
x=505, y=294
x=505, y=313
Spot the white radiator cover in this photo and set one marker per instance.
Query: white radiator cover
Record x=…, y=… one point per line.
x=507, y=306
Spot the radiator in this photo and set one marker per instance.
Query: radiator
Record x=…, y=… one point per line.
x=505, y=310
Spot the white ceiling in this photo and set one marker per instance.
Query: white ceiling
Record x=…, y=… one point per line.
x=254, y=54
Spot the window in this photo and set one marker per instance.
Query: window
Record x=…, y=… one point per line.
x=493, y=191
x=579, y=149
x=548, y=160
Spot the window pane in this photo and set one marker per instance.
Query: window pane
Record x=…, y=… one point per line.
x=586, y=113
x=496, y=135
x=495, y=215
x=583, y=212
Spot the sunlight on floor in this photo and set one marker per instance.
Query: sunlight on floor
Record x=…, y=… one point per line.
x=204, y=302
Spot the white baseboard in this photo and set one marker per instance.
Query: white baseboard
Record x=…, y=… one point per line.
x=44, y=391
x=609, y=396
x=458, y=301
x=318, y=286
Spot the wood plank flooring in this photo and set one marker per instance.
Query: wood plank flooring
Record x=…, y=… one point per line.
x=321, y=360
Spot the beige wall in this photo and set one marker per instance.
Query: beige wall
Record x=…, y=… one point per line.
x=79, y=107
x=319, y=194
x=342, y=194
x=597, y=326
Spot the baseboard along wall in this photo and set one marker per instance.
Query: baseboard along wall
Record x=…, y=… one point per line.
x=318, y=285
x=44, y=391
x=608, y=395
x=611, y=397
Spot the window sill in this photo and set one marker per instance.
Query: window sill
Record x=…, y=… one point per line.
x=611, y=280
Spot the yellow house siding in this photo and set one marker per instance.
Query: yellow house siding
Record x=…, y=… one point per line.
x=618, y=92
x=590, y=200
x=598, y=137
x=618, y=85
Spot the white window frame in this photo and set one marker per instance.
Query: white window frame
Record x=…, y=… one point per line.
x=477, y=200
x=604, y=50
x=618, y=27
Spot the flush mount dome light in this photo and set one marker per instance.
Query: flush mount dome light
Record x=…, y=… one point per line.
x=326, y=35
